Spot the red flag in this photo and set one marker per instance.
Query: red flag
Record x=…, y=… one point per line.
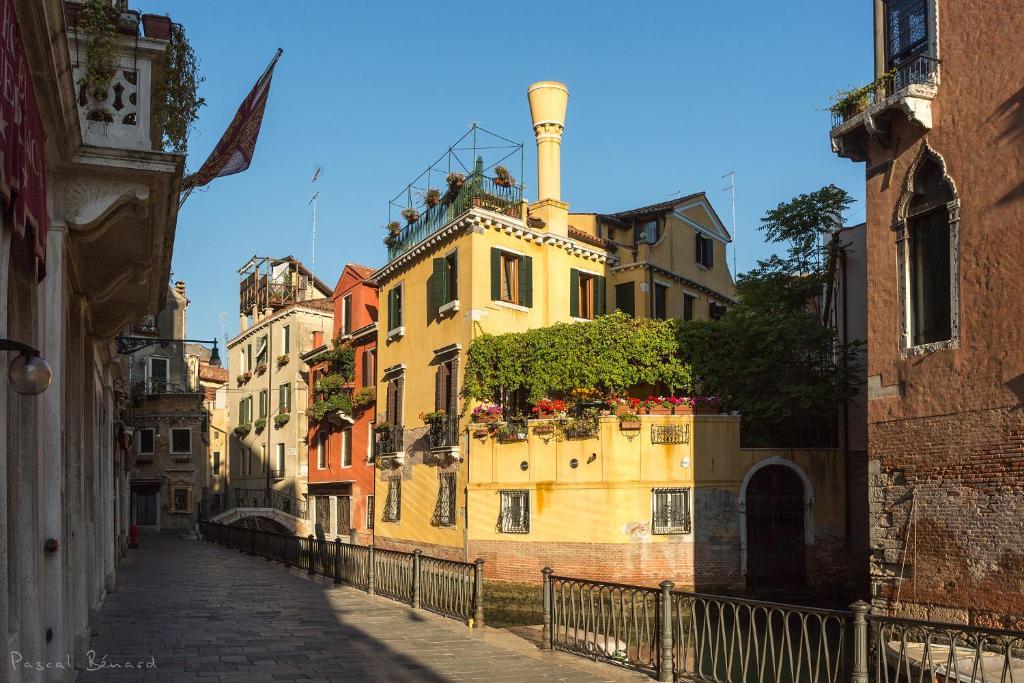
x=233, y=153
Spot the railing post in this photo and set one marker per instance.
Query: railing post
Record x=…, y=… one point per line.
x=478, y=593
x=859, y=672
x=545, y=637
x=309, y=554
x=416, y=578
x=665, y=673
x=371, y=583
x=337, y=559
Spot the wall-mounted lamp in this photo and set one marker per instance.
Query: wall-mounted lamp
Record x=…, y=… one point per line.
x=28, y=373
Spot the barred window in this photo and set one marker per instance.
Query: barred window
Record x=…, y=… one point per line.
x=514, y=515
x=344, y=515
x=323, y=513
x=444, y=511
x=393, y=503
x=369, y=511
x=671, y=511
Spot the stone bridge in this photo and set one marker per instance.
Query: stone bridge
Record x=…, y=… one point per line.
x=266, y=519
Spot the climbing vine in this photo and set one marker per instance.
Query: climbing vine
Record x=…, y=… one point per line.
x=180, y=98
x=332, y=390
x=611, y=354
x=97, y=22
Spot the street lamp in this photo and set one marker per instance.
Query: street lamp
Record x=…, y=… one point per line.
x=29, y=374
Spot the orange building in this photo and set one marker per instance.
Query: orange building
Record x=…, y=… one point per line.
x=340, y=443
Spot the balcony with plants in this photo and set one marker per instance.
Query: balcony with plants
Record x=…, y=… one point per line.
x=333, y=391
x=472, y=173
x=865, y=113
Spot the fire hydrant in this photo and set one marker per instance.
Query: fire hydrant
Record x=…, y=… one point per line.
x=133, y=536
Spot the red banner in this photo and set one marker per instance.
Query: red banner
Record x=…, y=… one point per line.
x=22, y=169
x=233, y=153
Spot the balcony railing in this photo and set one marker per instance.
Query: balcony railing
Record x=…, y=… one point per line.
x=390, y=439
x=444, y=434
x=154, y=387
x=920, y=70
x=478, y=190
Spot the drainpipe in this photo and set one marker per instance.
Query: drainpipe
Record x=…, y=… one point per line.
x=270, y=384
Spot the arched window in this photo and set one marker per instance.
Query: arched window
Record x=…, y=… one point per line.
x=929, y=236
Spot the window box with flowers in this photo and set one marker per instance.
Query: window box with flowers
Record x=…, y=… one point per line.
x=486, y=413
x=260, y=424
x=242, y=430
x=629, y=422
x=261, y=368
x=282, y=360
x=620, y=405
x=281, y=420
x=243, y=378
x=544, y=428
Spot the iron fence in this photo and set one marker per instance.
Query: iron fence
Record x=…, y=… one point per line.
x=919, y=70
x=450, y=588
x=677, y=635
x=444, y=433
x=261, y=498
x=390, y=439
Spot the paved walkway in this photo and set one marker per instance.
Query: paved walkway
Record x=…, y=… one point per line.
x=203, y=612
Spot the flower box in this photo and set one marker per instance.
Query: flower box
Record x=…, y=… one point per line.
x=481, y=433
x=544, y=429
x=659, y=410
x=629, y=425
x=156, y=26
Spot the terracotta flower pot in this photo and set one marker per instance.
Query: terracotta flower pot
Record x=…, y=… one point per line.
x=544, y=429
x=629, y=425
x=659, y=410
x=706, y=410
x=156, y=26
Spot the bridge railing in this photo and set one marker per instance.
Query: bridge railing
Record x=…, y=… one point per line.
x=450, y=588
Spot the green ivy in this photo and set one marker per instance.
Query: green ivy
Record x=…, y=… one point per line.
x=180, y=98
x=340, y=360
x=281, y=420
x=612, y=354
x=98, y=22
x=330, y=384
x=260, y=424
x=342, y=402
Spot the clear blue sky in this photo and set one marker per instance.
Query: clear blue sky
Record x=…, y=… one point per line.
x=665, y=97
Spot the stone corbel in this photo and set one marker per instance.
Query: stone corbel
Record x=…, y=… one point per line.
x=918, y=111
x=89, y=205
x=879, y=133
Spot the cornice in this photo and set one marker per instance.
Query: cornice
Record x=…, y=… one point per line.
x=674, y=276
x=294, y=309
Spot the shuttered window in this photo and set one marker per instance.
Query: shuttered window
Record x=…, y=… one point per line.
x=511, y=278
x=445, y=394
x=586, y=294
x=394, y=401
x=395, y=308
x=284, y=399
x=705, y=250
x=660, y=302
x=625, y=298
x=443, y=285
x=688, y=301
x=346, y=314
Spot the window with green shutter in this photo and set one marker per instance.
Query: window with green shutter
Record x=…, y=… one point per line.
x=574, y=292
x=625, y=297
x=511, y=278
x=395, y=308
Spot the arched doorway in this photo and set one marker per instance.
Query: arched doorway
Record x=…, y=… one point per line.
x=775, y=510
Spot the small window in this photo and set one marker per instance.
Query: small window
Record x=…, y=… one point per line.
x=284, y=400
x=181, y=440
x=248, y=357
x=514, y=513
x=586, y=290
x=180, y=499
x=346, y=314
x=625, y=297
x=343, y=512
x=705, y=251
x=147, y=440
x=451, y=262
x=688, y=301
x=393, y=401
x=216, y=463
x=323, y=513
x=509, y=278
x=261, y=350
x=264, y=402
x=158, y=369
x=321, y=450
x=660, y=301
x=715, y=310
x=369, y=512
x=286, y=339
x=346, y=448
x=444, y=510
x=393, y=503
x=671, y=511
x=646, y=232
x=279, y=464
x=395, y=308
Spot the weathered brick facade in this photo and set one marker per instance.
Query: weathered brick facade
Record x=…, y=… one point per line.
x=946, y=477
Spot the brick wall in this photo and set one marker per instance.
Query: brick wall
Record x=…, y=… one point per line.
x=947, y=506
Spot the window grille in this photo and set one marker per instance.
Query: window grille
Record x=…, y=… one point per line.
x=344, y=515
x=393, y=503
x=670, y=434
x=323, y=512
x=369, y=512
x=671, y=511
x=514, y=514
x=444, y=511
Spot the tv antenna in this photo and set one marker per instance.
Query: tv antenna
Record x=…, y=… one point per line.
x=312, y=200
x=731, y=175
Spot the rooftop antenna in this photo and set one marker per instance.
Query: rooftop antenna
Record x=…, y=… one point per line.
x=224, y=326
x=731, y=175
x=316, y=193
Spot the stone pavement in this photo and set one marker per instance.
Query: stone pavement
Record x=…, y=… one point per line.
x=203, y=612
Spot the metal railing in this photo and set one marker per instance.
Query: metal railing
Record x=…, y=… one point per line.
x=445, y=433
x=390, y=439
x=477, y=190
x=678, y=635
x=157, y=387
x=919, y=70
x=259, y=498
x=450, y=588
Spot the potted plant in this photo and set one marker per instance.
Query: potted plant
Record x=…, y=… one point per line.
x=547, y=409
x=156, y=26
x=394, y=229
x=503, y=178
x=705, y=405
x=281, y=420
x=261, y=368
x=363, y=399
x=410, y=215
x=244, y=377
x=455, y=182
x=432, y=197
x=629, y=421
x=657, y=405
x=487, y=413
x=242, y=430
x=513, y=430
x=260, y=424
x=282, y=360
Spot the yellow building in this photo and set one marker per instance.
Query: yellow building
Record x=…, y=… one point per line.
x=485, y=261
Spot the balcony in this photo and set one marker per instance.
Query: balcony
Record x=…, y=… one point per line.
x=158, y=387
x=443, y=437
x=907, y=90
x=390, y=445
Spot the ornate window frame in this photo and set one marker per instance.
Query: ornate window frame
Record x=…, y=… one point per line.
x=903, y=256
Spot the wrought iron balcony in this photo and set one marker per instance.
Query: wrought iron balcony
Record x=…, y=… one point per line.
x=444, y=434
x=907, y=89
x=158, y=387
x=390, y=439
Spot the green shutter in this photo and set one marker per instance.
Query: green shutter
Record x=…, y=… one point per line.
x=436, y=288
x=391, y=309
x=711, y=253
x=574, y=292
x=526, y=281
x=599, y=295
x=495, y=274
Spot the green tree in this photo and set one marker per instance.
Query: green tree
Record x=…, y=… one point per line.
x=773, y=357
